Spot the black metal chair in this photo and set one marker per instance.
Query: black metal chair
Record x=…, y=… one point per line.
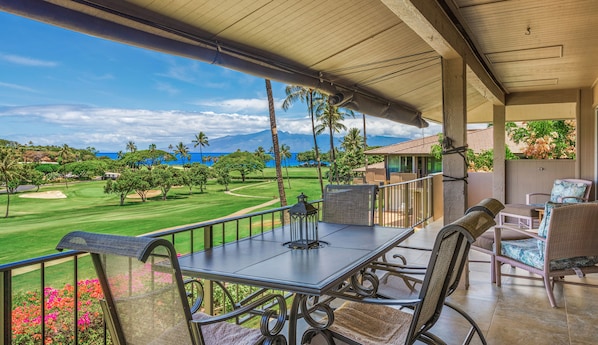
x=146, y=301
x=349, y=204
x=373, y=321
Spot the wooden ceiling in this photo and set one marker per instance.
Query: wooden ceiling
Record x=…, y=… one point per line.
x=367, y=46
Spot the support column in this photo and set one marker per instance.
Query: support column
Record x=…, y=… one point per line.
x=586, y=139
x=499, y=163
x=454, y=120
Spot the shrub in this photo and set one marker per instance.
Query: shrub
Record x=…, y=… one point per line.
x=59, y=317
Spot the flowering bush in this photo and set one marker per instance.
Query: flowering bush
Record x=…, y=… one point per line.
x=59, y=315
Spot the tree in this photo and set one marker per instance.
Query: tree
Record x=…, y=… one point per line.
x=123, y=185
x=10, y=171
x=222, y=175
x=241, y=161
x=275, y=147
x=331, y=118
x=85, y=169
x=150, y=158
x=545, y=139
x=182, y=151
x=165, y=176
x=307, y=95
x=201, y=140
x=65, y=155
x=353, y=140
x=131, y=147
x=143, y=183
x=197, y=175
x=285, y=154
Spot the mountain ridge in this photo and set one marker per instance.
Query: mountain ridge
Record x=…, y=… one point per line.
x=296, y=142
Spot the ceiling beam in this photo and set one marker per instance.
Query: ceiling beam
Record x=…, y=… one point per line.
x=428, y=20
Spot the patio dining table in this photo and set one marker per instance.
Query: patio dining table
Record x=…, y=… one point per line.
x=265, y=260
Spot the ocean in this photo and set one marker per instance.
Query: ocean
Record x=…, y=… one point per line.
x=196, y=158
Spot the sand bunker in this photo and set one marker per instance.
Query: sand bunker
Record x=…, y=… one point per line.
x=51, y=194
x=149, y=194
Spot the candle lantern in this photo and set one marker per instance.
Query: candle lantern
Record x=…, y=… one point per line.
x=304, y=224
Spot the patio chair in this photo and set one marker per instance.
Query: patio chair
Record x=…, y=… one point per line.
x=349, y=204
x=376, y=321
x=146, y=302
x=563, y=191
x=566, y=244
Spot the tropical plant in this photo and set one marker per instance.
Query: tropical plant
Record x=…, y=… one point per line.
x=545, y=139
x=285, y=154
x=353, y=140
x=182, y=151
x=331, y=118
x=201, y=140
x=275, y=145
x=10, y=171
x=309, y=96
x=131, y=147
x=27, y=317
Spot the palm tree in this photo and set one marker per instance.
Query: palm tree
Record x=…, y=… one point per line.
x=260, y=153
x=352, y=140
x=285, y=153
x=9, y=171
x=331, y=118
x=296, y=92
x=65, y=153
x=131, y=147
x=182, y=151
x=275, y=147
x=201, y=140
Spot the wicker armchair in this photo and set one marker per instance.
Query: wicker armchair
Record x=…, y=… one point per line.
x=349, y=204
x=563, y=191
x=146, y=301
x=373, y=321
x=566, y=244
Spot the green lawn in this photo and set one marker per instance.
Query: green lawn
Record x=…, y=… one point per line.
x=35, y=226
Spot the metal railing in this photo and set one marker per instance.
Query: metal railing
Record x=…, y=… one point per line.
x=405, y=204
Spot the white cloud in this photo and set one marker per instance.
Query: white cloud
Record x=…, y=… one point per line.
x=109, y=129
x=27, y=61
x=239, y=104
x=16, y=87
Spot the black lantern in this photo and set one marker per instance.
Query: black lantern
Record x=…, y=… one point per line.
x=304, y=224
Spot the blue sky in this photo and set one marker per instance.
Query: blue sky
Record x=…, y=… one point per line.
x=61, y=87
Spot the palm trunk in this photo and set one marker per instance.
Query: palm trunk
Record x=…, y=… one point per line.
x=275, y=147
x=7, y=200
x=333, y=158
x=317, y=151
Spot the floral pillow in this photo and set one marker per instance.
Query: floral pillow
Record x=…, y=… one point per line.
x=567, y=191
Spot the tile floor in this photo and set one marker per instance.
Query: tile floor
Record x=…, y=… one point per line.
x=518, y=312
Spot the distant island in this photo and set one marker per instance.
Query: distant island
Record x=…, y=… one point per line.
x=297, y=142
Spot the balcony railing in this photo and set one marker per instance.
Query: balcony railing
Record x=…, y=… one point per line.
x=31, y=306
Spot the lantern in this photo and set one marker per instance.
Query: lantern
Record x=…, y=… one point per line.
x=304, y=224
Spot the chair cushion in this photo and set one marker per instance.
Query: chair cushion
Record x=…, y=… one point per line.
x=486, y=240
x=548, y=207
x=371, y=324
x=563, y=189
x=527, y=251
x=217, y=333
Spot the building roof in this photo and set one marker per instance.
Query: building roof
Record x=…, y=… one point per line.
x=477, y=140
